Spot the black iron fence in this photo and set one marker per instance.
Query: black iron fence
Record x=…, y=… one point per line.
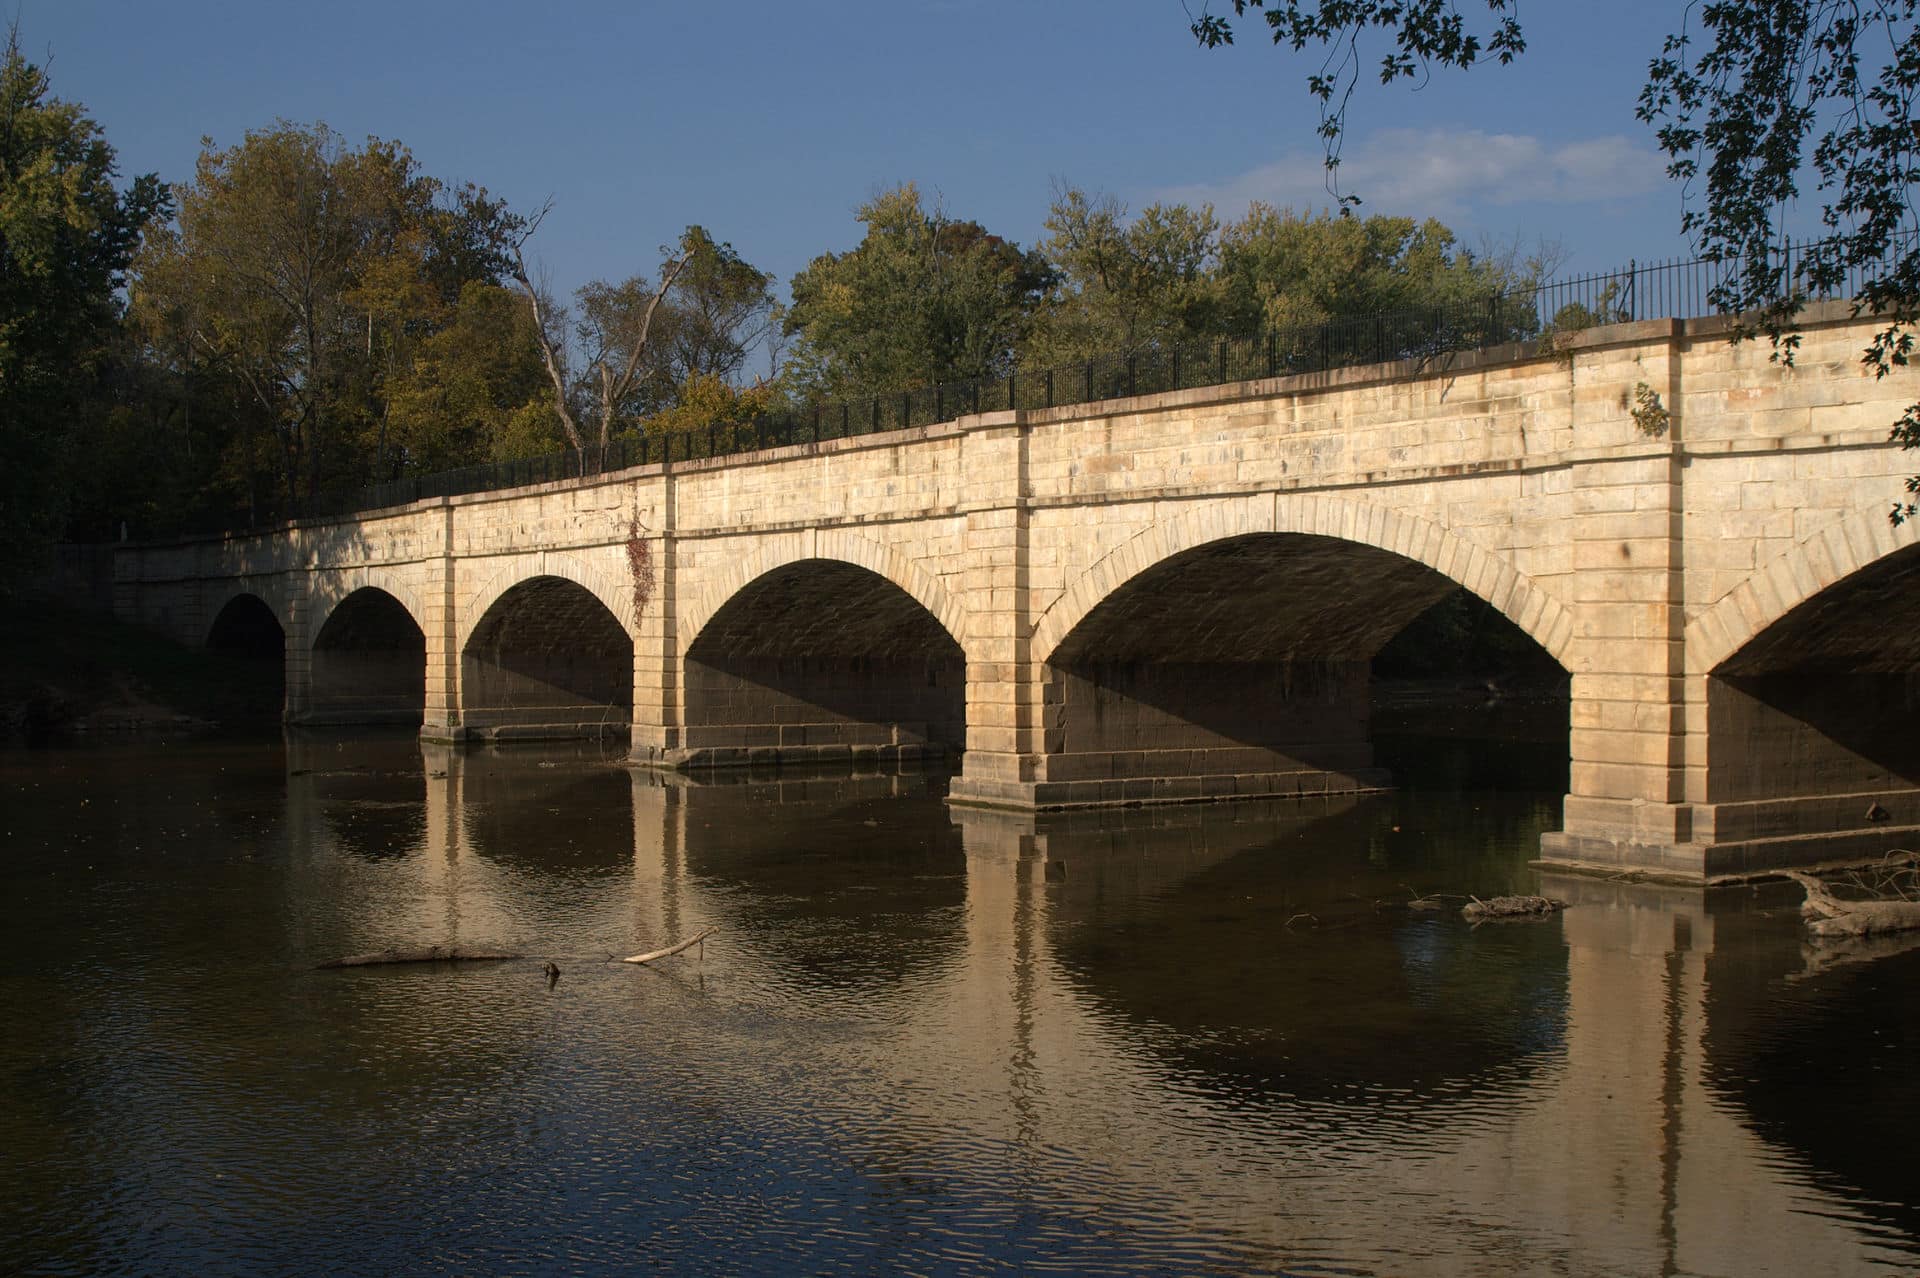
x=1677, y=288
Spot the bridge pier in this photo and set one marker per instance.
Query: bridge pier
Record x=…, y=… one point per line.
x=1135, y=733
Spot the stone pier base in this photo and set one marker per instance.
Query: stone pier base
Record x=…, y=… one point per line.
x=1701, y=842
x=972, y=789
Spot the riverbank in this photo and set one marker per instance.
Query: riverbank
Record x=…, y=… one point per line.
x=66, y=672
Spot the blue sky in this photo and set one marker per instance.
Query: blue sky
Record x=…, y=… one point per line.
x=768, y=123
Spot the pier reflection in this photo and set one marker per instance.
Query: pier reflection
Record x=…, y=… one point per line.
x=1226, y=1017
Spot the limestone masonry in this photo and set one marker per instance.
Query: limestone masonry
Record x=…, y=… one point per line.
x=1176, y=597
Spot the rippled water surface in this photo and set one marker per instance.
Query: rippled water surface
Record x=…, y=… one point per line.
x=1205, y=1039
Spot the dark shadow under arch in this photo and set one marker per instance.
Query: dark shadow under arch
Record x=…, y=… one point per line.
x=369, y=663
x=822, y=659
x=245, y=625
x=1253, y=655
x=547, y=660
x=246, y=633
x=1823, y=700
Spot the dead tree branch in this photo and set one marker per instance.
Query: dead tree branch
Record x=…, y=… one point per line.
x=671, y=950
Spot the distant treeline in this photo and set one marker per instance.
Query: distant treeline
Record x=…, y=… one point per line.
x=302, y=315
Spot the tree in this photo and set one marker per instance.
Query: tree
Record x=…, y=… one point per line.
x=289, y=253
x=707, y=403
x=67, y=235
x=611, y=335
x=313, y=278
x=1175, y=274
x=924, y=298
x=474, y=389
x=1280, y=269
x=719, y=308
x=1125, y=286
x=1760, y=98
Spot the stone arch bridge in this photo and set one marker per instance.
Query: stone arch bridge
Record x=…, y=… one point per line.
x=1176, y=597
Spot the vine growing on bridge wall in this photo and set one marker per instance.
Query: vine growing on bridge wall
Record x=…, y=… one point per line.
x=639, y=564
x=1648, y=413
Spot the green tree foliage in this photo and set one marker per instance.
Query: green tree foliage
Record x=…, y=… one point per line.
x=474, y=389
x=1177, y=274
x=719, y=309
x=924, y=298
x=1125, y=286
x=1763, y=109
x=307, y=276
x=67, y=234
x=707, y=403
x=1281, y=269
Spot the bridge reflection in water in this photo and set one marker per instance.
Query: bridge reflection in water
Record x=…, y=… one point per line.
x=1224, y=1011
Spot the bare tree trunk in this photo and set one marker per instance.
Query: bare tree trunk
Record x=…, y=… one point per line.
x=549, y=354
x=613, y=387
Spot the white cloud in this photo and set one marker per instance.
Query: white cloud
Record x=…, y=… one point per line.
x=1445, y=171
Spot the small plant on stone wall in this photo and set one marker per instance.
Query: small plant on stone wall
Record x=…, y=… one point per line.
x=639, y=564
x=1556, y=337
x=1648, y=413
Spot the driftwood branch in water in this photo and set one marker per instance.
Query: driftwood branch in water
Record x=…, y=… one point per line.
x=1828, y=915
x=423, y=954
x=687, y=944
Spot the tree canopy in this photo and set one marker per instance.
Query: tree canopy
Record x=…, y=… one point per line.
x=924, y=298
x=67, y=234
x=320, y=283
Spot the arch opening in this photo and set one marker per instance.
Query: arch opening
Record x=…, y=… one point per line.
x=245, y=626
x=246, y=632
x=369, y=663
x=547, y=660
x=822, y=661
x=1247, y=666
x=1822, y=703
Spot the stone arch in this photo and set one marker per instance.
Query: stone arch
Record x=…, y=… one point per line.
x=268, y=593
x=615, y=594
x=366, y=650
x=1776, y=588
x=830, y=544
x=331, y=589
x=1542, y=618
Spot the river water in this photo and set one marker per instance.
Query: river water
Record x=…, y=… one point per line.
x=1203, y=1039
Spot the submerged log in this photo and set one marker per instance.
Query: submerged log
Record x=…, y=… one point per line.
x=1829, y=915
x=687, y=944
x=1510, y=907
x=423, y=954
